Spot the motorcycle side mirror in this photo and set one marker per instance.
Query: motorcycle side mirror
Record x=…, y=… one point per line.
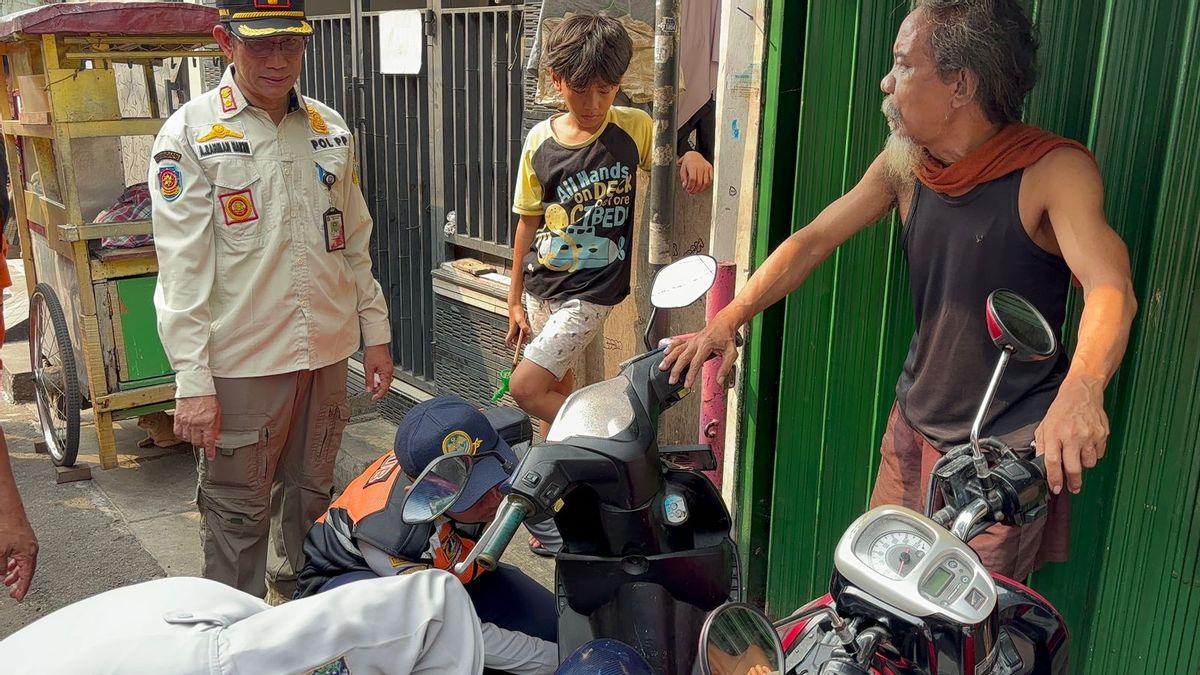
x=1018, y=328
x=738, y=639
x=1022, y=333
x=437, y=488
x=683, y=282
x=678, y=285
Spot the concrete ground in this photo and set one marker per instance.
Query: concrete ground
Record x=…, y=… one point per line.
x=138, y=521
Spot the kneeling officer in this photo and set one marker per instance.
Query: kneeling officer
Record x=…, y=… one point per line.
x=362, y=536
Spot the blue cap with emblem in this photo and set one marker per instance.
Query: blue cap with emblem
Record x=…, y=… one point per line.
x=448, y=424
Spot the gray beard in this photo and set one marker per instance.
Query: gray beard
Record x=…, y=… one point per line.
x=901, y=156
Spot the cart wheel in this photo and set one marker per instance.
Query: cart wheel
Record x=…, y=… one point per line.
x=55, y=378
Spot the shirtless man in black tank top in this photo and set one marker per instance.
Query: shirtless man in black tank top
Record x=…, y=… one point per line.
x=960, y=75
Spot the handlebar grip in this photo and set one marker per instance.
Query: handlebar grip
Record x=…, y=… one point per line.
x=1040, y=463
x=491, y=548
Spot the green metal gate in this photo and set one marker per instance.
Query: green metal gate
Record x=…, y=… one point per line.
x=1124, y=77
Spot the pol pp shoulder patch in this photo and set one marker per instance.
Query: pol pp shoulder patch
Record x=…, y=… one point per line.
x=170, y=182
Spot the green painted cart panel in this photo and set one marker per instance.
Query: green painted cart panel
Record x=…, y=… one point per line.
x=1121, y=75
x=143, y=356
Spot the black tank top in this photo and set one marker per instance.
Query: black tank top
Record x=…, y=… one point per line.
x=959, y=250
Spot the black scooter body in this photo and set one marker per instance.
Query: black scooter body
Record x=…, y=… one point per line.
x=625, y=572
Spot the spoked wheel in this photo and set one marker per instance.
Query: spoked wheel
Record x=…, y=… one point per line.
x=54, y=376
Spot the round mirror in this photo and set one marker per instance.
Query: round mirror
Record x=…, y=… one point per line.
x=738, y=639
x=436, y=489
x=1016, y=326
x=683, y=282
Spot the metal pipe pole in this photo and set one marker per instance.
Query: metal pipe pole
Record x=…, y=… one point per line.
x=662, y=177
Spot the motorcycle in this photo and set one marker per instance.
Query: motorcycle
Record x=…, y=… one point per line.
x=647, y=552
x=907, y=595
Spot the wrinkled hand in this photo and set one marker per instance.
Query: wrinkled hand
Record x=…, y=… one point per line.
x=18, y=550
x=198, y=421
x=518, y=325
x=695, y=173
x=690, y=353
x=1074, y=433
x=377, y=370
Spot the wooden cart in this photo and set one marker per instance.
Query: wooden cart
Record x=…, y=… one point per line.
x=93, y=336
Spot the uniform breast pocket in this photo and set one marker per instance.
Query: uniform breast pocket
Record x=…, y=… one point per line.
x=332, y=168
x=237, y=201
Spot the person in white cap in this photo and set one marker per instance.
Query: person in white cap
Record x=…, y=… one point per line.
x=420, y=623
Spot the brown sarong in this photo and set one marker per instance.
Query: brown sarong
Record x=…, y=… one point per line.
x=907, y=458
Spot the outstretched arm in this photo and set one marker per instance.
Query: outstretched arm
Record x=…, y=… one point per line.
x=1074, y=433
x=783, y=272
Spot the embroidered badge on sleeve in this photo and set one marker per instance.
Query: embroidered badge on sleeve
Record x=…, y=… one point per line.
x=238, y=207
x=168, y=155
x=170, y=183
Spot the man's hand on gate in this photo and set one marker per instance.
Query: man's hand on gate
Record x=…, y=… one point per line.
x=691, y=353
x=1074, y=433
x=377, y=370
x=198, y=421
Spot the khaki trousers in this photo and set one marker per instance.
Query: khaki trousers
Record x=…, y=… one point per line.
x=273, y=474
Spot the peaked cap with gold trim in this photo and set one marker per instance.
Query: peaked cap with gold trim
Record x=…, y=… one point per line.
x=252, y=19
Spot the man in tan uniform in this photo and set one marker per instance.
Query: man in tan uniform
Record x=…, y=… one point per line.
x=264, y=290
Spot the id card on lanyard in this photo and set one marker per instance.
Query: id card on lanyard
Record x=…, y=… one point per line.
x=335, y=229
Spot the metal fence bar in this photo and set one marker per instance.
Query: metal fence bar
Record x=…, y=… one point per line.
x=482, y=73
x=393, y=136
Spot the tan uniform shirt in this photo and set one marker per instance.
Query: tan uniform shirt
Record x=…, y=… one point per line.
x=247, y=286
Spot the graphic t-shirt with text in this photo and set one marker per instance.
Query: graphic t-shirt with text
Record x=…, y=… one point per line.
x=585, y=194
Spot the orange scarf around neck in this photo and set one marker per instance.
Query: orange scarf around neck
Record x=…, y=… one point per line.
x=1016, y=146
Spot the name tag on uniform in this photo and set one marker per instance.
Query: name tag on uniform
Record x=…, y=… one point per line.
x=335, y=231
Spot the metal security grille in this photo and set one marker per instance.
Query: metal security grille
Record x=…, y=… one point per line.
x=482, y=88
x=391, y=117
x=394, y=130
x=326, y=73
x=470, y=351
x=433, y=148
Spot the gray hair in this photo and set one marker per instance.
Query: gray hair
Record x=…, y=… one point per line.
x=993, y=39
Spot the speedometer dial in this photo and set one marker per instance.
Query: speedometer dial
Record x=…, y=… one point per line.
x=895, y=554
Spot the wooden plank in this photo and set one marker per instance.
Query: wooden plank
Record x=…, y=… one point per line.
x=130, y=413
x=83, y=95
x=72, y=474
x=72, y=232
x=109, y=332
x=93, y=352
x=128, y=126
x=106, y=440
x=139, y=56
x=133, y=398
x=123, y=267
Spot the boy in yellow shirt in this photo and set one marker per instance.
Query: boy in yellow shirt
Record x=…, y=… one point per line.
x=575, y=192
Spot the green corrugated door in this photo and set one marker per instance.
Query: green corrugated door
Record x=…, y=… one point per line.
x=1122, y=75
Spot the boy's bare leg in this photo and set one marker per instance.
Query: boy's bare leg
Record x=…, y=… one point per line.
x=535, y=389
x=564, y=386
